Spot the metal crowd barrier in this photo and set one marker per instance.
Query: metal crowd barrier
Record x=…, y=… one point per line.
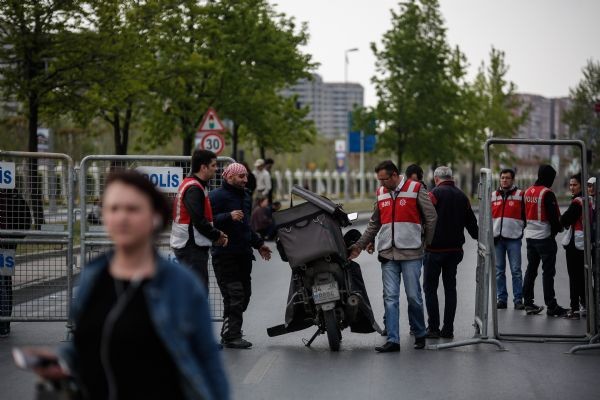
x=166, y=172
x=591, y=299
x=36, y=236
x=485, y=266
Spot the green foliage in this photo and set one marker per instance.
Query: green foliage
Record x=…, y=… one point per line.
x=583, y=121
x=419, y=84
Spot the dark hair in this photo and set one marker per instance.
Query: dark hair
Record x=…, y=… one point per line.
x=414, y=169
x=130, y=177
x=269, y=161
x=200, y=158
x=508, y=171
x=577, y=177
x=387, y=165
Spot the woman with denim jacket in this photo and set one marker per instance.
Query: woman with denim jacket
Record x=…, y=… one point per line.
x=142, y=323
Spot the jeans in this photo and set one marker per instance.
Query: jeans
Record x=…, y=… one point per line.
x=445, y=264
x=512, y=248
x=392, y=272
x=196, y=258
x=543, y=250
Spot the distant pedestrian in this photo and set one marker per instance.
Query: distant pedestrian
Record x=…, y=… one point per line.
x=508, y=213
x=262, y=219
x=15, y=215
x=232, y=207
x=263, y=178
x=573, y=242
x=269, y=166
x=142, y=324
x=543, y=224
x=445, y=252
x=404, y=220
x=193, y=232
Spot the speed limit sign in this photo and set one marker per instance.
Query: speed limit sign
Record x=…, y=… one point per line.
x=213, y=142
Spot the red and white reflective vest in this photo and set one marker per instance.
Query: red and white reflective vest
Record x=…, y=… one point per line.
x=538, y=226
x=400, y=217
x=180, y=232
x=577, y=227
x=507, y=214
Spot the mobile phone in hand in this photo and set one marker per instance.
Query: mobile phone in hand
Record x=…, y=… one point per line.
x=28, y=360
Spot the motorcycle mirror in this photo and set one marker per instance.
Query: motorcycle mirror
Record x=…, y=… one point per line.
x=353, y=216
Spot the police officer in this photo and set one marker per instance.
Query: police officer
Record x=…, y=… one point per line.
x=573, y=242
x=404, y=220
x=193, y=233
x=542, y=213
x=508, y=213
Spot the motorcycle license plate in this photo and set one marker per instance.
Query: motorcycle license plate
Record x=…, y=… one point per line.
x=325, y=293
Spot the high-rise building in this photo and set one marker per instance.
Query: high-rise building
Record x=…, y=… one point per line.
x=329, y=103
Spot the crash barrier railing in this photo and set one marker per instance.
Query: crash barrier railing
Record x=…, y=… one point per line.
x=166, y=172
x=36, y=236
x=484, y=275
x=591, y=300
x=594, y=343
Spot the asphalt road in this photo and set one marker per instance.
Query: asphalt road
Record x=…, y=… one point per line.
x=282, y=368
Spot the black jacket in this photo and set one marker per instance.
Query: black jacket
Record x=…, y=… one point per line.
x=546, y=175
x=193, y=199
x=454, y=215
x=242, y=238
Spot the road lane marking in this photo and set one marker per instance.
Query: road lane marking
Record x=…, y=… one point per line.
x=258, y=372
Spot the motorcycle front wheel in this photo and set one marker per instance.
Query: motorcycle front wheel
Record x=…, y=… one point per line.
x=331, y=326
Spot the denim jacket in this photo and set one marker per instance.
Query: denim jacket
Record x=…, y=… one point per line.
x=178, y=308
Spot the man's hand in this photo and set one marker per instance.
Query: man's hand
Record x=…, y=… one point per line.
x=222, y=240
x=265, y=252
x=354, y=252
x=370, y=248
x=237, y=215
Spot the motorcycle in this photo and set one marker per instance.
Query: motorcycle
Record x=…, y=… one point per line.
x=326, y=289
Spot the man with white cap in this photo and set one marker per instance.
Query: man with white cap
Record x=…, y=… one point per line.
x=231, y=206
x=263, y=178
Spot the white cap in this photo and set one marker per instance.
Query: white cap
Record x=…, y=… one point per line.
x=592, y=180
x=260, y=162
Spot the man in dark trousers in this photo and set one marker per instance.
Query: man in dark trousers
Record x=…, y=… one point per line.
x=543, y=224
x=15, y=215
x=445, y=252
x=232, y=205
x=573, y=242
x=193, y=233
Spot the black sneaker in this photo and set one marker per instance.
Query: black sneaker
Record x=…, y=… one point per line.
x=433, y=333
x=389, y=347
x=501, y=305
x=533, y=309
x=419, y=343
x=572, y=315
x=557, y=311
x=519, y=305
x=238, y=343
x=446, y=334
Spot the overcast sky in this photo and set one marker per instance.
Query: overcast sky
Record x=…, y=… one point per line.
x=546, y=42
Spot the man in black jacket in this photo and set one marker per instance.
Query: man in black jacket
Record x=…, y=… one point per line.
x=454, y=214
x=193, y=233
x=543, y=224
x=232, y=205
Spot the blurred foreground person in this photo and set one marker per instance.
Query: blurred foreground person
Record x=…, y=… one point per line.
x=143, y=326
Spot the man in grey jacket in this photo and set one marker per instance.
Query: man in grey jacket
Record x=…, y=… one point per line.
x=404, y=218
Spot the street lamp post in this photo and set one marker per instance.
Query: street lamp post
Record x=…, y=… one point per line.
x=346, y=111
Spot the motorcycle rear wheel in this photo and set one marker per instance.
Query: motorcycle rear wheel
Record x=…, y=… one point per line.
x=333, y=332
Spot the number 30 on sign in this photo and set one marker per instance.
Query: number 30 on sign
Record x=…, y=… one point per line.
x=213, y=142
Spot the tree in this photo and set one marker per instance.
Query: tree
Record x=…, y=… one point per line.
x=494, y=109
x=40, y=46
x=118, y=84
x=583, y=117
x=234, y=56
x=419, y=84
